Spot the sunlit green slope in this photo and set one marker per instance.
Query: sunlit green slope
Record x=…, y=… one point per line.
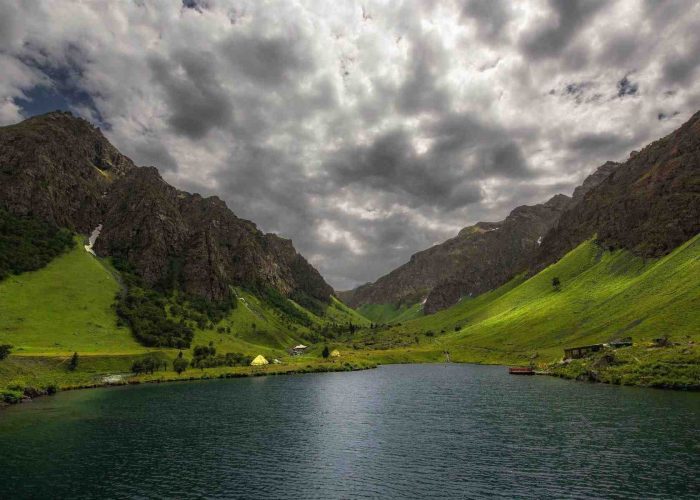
x=68, y=306
x=603, y=296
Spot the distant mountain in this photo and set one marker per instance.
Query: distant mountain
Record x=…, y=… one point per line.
x=649, y=205
x=61, y=169
x=479, y=258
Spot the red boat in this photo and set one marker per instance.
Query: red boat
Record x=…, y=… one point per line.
x=518, y=370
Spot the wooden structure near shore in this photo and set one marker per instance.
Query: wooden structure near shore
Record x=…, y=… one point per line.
x=583, y=351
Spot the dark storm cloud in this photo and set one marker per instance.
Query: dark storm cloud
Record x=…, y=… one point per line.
x=267, y=61
x=196, y=101
x=421, y=90
x=491, y=17
x=559, y=28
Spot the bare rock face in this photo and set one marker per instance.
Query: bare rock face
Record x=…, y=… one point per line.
x=62, y=169
x=649, y=205
x=57, y=168
x=593, y=180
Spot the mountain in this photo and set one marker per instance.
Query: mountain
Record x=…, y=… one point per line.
x=648, y=205
x=61, y=169
x=481, y=257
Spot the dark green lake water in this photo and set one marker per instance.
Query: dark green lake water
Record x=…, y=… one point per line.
x=410, y=431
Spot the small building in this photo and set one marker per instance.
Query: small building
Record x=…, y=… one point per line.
x=583, y=351
x=259, y=361
x=335, y=353
x=299, y=349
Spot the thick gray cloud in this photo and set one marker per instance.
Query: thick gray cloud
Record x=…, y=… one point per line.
x=363, y=131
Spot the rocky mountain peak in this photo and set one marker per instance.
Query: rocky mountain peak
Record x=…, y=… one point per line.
x=60, y=168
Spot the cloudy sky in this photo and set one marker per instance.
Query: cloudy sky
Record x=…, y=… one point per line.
x=364, y=131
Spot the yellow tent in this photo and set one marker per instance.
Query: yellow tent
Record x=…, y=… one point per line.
x=259, y=361
x=335, y=353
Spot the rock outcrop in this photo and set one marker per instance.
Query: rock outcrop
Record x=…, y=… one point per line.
x=648, y=205
x=60, y=168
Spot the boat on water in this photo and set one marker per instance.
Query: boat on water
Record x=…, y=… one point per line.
x=521, y=370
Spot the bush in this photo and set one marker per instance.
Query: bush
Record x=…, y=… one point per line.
x=11, y=396
x=5, y=350
x=73, y=364
x=180, y=364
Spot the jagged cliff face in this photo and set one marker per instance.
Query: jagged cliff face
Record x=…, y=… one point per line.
x=649, y=205
x=62, y=169
x=479, y=258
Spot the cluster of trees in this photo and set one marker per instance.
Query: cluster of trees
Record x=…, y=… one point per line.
x=205, y=357
x=27, y=244
x=149, y=364
x=282, y=304
x=144, y=311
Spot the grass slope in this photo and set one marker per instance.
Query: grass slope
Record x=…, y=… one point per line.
x=604, y=295
x=64, y=307
x=68, y=306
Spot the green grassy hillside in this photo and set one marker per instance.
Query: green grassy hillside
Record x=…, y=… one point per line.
x=603, y=295
x=69, y=306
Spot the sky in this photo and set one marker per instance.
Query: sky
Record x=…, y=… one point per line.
x=363, y=131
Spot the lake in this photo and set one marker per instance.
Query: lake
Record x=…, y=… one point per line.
x=403, y=431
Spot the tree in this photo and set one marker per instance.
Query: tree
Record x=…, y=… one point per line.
x=325, y=352
x=180, y=364
x=556, y=283
x=5, y=351
x=73, y=362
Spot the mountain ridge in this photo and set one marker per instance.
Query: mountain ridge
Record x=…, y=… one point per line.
x=60, y=168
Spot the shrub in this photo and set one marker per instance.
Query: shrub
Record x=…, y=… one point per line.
x=73, y=364
x=143, y=310
x=5, y=350
x=180, y=364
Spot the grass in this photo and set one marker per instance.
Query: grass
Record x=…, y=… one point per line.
x=68, y=306
x=63, y=308
x=604, y=295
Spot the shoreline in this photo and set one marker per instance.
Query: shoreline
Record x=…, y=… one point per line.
x=218, y=373
x=582, y=373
